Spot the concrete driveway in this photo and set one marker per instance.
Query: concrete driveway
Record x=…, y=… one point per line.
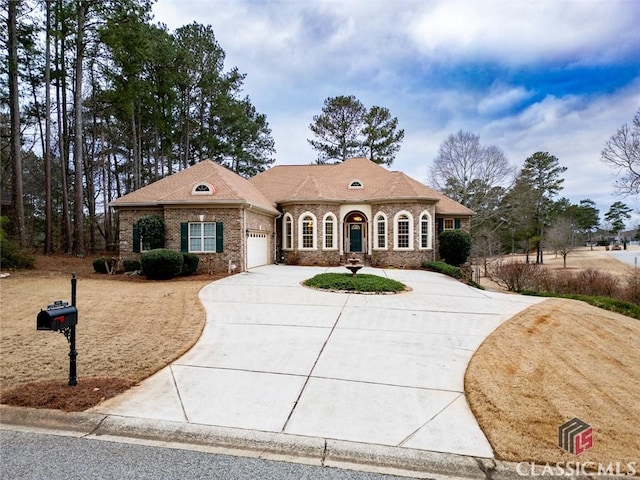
x=377, y=369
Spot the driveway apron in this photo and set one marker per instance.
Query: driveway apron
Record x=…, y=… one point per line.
x=379, y=369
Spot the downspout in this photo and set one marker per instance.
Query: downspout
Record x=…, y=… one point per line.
x=244, y=239
x=275, y=238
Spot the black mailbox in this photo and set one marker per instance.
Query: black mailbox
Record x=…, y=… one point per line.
x=57, y=317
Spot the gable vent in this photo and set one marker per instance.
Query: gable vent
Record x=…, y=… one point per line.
x=202, y=188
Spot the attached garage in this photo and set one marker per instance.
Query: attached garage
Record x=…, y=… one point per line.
x=257, y=249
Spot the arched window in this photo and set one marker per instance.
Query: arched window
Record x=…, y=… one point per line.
x=287, y=232
x=307, y=231
x=330, y=232
x=403, y=238
x=425, y=231
x=356, y=184
x=202, y=188
x=380, y=231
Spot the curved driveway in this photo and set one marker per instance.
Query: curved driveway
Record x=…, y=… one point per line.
x=378, y=369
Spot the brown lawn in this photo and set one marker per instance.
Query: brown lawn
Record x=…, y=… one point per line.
x=554, y=361
x=128, y=328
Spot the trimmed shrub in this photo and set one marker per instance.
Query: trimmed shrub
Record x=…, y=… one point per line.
x=454, y=246
x=131, y=265
x=151, y=229
x=190, y=263
x=161, y=263
x=444, y=268
x=103, y=264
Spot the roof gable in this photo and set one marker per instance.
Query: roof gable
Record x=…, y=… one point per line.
x=181, y=188
x=297, y=183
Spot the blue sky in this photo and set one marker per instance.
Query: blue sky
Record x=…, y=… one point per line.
x=545, y=75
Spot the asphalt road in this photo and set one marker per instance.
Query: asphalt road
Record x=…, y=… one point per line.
x=34, y=456
x=627, y=256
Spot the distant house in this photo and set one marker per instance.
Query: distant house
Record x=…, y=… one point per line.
x=295, y=214
x=5, y=202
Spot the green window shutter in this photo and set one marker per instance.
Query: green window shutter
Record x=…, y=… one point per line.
x=136, y=239
x=184, y=237
x=219, y=238
x=457, y=223
x=440, y=225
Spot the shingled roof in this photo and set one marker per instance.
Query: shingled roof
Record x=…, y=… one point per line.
x=331, y=183
x=228, y=188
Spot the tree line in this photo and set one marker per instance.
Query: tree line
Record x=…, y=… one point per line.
x=518, y=209
x=97, y=101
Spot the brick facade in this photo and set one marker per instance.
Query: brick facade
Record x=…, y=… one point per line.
x=236, y=222
x=383, y=257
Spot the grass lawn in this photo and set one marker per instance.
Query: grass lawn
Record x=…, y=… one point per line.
x=360, y=283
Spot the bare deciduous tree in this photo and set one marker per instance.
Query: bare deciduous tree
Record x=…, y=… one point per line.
x=461, y=160
x=622, y=152
x=561, y=237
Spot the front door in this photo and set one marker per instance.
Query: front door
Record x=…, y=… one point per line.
x=355, y=237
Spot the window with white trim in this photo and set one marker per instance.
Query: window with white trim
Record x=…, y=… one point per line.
x=403, y=238
x=425, y=230
x=380, y=231
x=287, y=232
x=448, y=224
x=202, y=237
x=307, y=231
x=356, y=184
x=330, y=231
x=202, y=188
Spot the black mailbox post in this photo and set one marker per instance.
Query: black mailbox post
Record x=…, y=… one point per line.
x=62, y=317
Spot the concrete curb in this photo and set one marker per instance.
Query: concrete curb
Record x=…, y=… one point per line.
x=268, y=445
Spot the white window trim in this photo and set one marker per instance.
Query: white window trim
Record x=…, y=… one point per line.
x=202, y=224
x=376, y=219
x=395, y=231
x=315, y=231
x=356, y=187
x=444, y=224
x=287, y=216
x=429, y=231
x=334, y=235
x=206, y=184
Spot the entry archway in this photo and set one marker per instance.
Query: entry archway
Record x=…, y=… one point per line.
x=355, y=232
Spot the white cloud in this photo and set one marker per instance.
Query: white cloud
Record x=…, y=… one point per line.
x=501, y=99
x=515, y=32
x=298, y=53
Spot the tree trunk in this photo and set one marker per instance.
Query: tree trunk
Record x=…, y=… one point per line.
x=78, y=198
x=63, y=132
x=14, y=110
x=48, y=211
x=106, y=186
x=135, y=153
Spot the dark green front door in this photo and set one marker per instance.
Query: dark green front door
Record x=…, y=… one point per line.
x=355, y=237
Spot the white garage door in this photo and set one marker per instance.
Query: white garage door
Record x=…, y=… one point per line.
x=257, y=249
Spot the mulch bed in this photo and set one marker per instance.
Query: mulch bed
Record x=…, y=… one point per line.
x=58, y=395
